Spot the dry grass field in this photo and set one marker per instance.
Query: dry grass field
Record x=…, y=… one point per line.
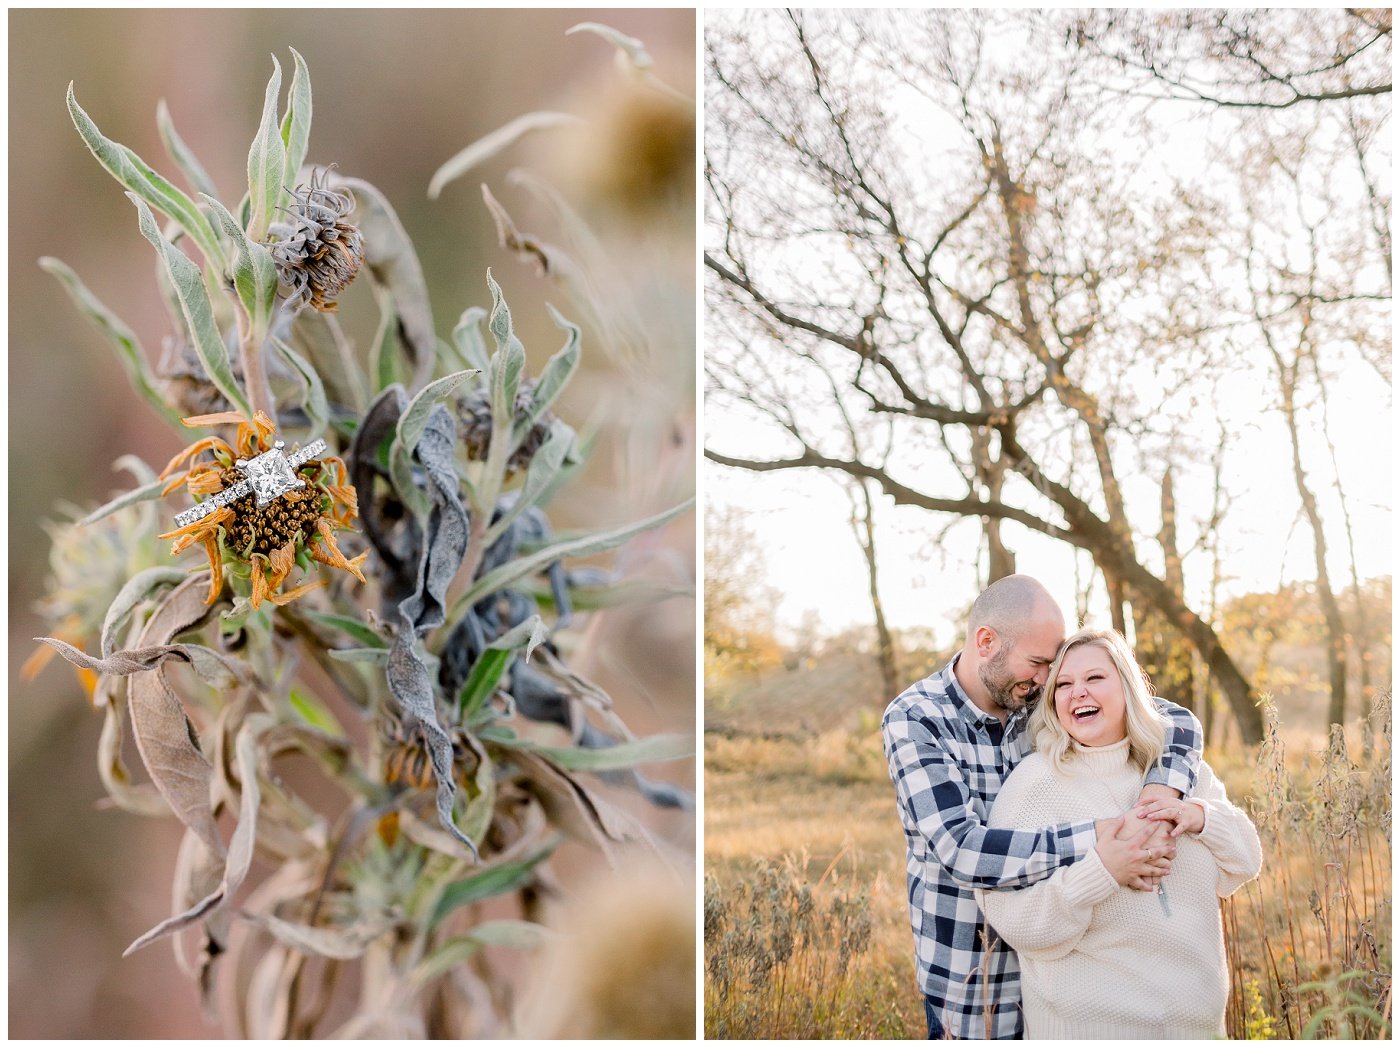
x=806, y=921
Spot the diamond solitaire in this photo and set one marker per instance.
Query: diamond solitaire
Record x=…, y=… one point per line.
x=269, y=476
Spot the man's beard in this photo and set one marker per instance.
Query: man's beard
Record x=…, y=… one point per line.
x=1001, y=686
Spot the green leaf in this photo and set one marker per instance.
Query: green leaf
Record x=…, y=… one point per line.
x=384, y=353
x=489, y=145
x=507, y=365
x=488, y=670
x=310, y=709
x=144, y=493
x=317, y=409
x=376, y=656
x=541, y=478
x=141, y=179
x=188, y=284
x=576, y=547
x=469, y=341
x=623, y=755
x=553, y=378
x=351, y=627
x=267, y=161
x=183, y=156
x=488, y=883
x=296, y=122
x=401, y=476
x=396, y=272
x=520, y=935
x=415, y=417
x=254, y=274
x=121, y=337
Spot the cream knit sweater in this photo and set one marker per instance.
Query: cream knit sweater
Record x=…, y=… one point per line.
x=1102, y=961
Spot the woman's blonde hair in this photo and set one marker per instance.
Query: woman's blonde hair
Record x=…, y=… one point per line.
x=1146, y=727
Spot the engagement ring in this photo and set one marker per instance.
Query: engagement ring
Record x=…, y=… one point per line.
x=268, y=476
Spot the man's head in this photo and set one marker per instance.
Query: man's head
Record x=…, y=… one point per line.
x=1013, y=632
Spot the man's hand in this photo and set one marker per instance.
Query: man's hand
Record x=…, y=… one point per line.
x=1136, y=853
x=1163, y=805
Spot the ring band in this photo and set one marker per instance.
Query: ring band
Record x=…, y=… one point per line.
x=269, y=477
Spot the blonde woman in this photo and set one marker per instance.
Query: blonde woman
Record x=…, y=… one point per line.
x=1100, y=960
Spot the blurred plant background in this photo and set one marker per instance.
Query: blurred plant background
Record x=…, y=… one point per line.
x=397, y=95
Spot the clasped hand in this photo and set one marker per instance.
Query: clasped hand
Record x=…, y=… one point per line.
x=1136, y=851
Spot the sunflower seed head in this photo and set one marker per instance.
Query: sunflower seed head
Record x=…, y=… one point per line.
x=272, y=526
x=317, y=252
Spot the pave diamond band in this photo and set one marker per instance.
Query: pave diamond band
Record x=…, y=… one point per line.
x=269, y=476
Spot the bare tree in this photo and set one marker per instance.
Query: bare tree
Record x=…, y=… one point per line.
x=995, y=288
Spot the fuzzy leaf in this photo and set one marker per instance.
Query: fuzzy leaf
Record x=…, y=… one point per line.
x=444, y=545
x=145, y=493
x=629, y=46
x=488, y=883
x=555, y=376
x=317, y=409
x=509, y=360
x=137, y=589
x=469, y=340
x=183, y=156
x=576, y=547
x=253, y=272
x=141, y=179
x=489, y=145
x=140, y=798
x=415, y=418
x=487, y=671
x=296, y=122
x=163, y=733
x=267, y=161
x=541, y=478
x=520, y=935
x=188, y=284
x=341, y=944
x=122, y=338
x=395, y=270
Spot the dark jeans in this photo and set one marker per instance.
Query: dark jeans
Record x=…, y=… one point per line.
x=935, y=1026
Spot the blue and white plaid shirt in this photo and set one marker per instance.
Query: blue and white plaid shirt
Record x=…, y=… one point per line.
x=948, y=760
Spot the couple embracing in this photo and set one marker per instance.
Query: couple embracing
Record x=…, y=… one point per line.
x=1067, y=844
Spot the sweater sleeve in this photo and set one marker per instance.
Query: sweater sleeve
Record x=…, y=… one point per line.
x=1048, y=918
x=936, y=802
x=1229, y=834
x=1182, y=755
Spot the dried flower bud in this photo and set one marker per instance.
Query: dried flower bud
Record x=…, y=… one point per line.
x=474, y=414
x=317, y=252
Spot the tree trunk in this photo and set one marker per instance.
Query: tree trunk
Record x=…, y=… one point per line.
x=1161, y=649
x=863, y=521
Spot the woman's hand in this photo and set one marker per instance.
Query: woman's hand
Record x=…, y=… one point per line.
x=1184, y=816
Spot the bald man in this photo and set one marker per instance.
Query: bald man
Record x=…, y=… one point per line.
x=951, y=740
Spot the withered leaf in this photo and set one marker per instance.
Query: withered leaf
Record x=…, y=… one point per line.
x=342, y=944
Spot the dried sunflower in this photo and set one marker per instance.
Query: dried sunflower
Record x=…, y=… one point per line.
x=315, y=500
x=474, y=414
x=317, y=252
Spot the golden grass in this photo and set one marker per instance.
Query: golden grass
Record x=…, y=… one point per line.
x=801, y=833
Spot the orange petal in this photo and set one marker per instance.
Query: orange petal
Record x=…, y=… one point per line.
x=219, y=418
x=259, y=583
x=283, y=599
x=192, y=530
x=253, y=435
x=331, y=554
x=282, y=561
x=216, y=566
x=203, y=444
x=204, y=481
